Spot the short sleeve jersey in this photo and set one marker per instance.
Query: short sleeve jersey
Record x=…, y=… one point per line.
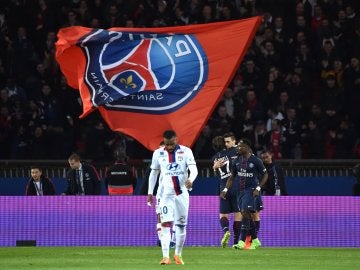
x=173, y=167
x=226, y=156
x=248, y=171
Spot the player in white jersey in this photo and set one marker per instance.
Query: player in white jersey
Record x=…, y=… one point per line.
x=178, y=169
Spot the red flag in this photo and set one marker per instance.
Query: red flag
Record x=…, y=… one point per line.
x=145, y=81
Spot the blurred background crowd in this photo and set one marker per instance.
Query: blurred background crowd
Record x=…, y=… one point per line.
x=296, y=93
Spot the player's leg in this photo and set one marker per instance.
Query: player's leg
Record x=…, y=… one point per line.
x=254, y=231
x=237, y=226
x=234, y=208
x=167, y=204
x=158, y=225
x=158, y=230
x=181, y=216
x=247, y=205
x=256, y=221
x=224, y=221
x=173, y=237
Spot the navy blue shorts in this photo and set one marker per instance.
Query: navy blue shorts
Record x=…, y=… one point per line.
x=259, y=203
x=230, y=205
x=248, y=203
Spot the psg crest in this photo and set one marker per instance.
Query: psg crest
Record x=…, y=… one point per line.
x=143, y=72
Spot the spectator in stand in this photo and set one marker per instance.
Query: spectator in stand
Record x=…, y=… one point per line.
x=291, y=134
x=72, y=19
x=244, y=124
x=312, y=40
x=275, y=139
x=5, y=132
x=312, y=140
x=251, y=74
x=255, y=106
x=202, y=147
x=301, y=25
x=207, y=14
x=229, y=102
x=269, y=56
x=317, y=115
x=38, y=184
x=298, y=91
x=39, y=143
x=330, y=94
x=270, y=95
x=280, y=33
x=344, y=140
x=19, y=148
x=352, y=90
x=304, y=63
x=259, y=138
x=272, y=114
x=220, y=122
x=284, y=102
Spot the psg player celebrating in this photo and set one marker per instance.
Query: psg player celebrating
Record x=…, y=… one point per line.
x=247, y=169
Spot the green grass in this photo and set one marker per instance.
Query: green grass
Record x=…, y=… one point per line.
x=198, y=258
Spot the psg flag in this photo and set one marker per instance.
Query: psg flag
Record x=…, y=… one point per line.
x=147, y=80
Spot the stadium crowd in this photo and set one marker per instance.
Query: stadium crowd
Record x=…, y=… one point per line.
x=296, y=93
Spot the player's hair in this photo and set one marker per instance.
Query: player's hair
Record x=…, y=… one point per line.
x=74, y=156
x=36, y=167
x=245, y=141
x=229, y=135
x=120, y=156
x=169, y=134
x=218, y=143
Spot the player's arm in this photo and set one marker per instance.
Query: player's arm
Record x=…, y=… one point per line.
x=217, y=165
x=264, y=177
x=155, y=170
x=152, y=181
x=229, y=183
x=193, y=173
x=192, y=168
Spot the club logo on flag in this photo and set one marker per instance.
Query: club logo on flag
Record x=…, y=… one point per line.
x=144, y=81
x=132, y=71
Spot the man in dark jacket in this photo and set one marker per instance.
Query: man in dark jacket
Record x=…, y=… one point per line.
x=82, y=178
x=275, y=184
x=38, y=184
x=120, y=177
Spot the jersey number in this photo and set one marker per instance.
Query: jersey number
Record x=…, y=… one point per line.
x=225, y=168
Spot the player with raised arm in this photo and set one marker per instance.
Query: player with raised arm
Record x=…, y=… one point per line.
x=247, y=169
x=178, y=169
x=221, y=166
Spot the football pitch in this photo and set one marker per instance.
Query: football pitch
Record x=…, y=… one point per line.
x=198, y=258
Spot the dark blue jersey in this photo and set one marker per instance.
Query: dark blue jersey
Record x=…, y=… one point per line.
x=224, y=172
x=248, y=171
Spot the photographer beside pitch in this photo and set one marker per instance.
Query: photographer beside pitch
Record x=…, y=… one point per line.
x=248, y=169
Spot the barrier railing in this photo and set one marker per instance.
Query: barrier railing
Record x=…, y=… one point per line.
x=301, y=168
